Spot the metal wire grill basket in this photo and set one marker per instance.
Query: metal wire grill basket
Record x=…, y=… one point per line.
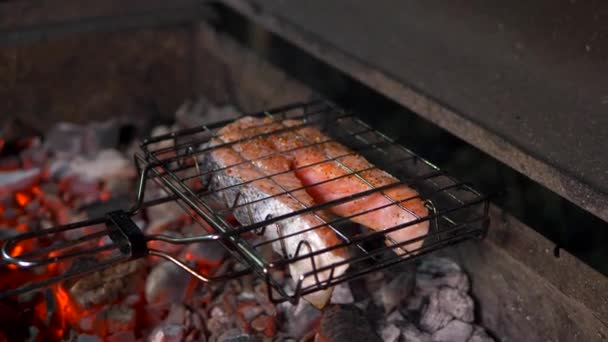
x=267, y=245
x=455, y=210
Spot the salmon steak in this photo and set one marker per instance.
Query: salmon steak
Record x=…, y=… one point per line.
x=258, y=183
x=283, y=166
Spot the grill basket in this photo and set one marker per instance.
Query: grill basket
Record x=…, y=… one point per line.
x=174, y=161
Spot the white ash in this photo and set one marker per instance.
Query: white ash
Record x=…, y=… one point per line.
x=456, y=303
x=342, y=294
x=455, y=331
x=411, y=333
x=108, y=285
x=163, y=144
x=427, y=303
x=391, y=294
x=233, y=335
x=480, y=335
x=390, y=333
x=166, y=283
x=13, y=181
x=433, y=317
x=105, y=165
x=167, y=333
x=298, y=320
x=201, y=111
x=67, y=140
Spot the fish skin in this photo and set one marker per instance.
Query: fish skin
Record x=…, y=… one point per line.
x=257, y=190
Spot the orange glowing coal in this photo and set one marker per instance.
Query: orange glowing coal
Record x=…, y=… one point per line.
x=68, y=311
x=18, y=250
x=22, y=198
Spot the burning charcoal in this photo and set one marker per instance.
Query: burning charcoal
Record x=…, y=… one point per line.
x=345, y=323
x=115, y=318
x=234, y=335
x=414, y=303
x=264, y=324
x=480, y=335
x=192, y=114
x=13, y=181
x=210, y=254
x=250, y=310
x=456, y=303
x=435, y=272
x=393, y=293
x=106, y=165
x=200, y=112
x=161, y=215
x=220, y=321
x=166, y=283
x=455, y=331
x=395, y=317
x=298, y=320
x=6, y=233
x=65, y=139
x=342, y=294
x=107, y=285
x=58, y=169
x=167, y=333
x=177, y=314
x=390, y=333
x=100, y=135
x=411, y=334
x=433, y=318
x=157, y=131
x=215, y=114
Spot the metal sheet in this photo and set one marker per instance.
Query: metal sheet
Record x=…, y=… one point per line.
x=523, y=82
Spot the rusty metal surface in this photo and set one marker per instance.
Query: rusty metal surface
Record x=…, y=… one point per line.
x=522, y=82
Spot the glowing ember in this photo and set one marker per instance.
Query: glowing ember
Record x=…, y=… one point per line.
x=18, y=250
x=22, y=198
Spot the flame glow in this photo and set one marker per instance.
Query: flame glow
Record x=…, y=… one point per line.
x=18, y=250
x=22, y=199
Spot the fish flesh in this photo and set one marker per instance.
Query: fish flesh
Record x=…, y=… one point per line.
x=250, y=176
x=331, y=171
x=281, y=166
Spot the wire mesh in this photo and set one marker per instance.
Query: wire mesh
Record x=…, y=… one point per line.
x=182, y=162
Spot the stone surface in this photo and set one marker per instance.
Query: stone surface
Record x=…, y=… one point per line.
x=455, y=331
